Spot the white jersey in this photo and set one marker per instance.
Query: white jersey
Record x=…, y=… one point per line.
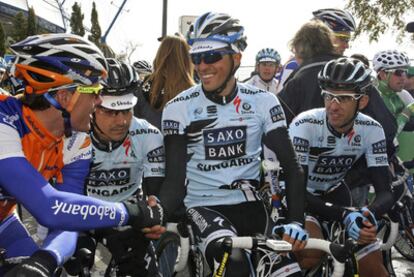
x=328, y=154
x=116, y=175
x=256, y=81
x=224, y=142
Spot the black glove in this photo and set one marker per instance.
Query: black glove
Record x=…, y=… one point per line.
x=141, y=215
x=40, y=264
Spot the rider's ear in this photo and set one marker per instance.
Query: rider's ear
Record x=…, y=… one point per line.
x=63, y=97
x=237, y=59
x=363, y=102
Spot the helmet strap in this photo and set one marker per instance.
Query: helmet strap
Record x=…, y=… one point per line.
x=65, y=114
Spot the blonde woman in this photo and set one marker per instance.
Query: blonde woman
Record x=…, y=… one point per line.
x=172, y=73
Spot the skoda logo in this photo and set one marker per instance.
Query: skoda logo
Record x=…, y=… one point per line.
x=357, y=138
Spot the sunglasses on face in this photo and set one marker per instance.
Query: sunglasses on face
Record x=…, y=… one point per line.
x=209, y=57
x=343, y=37
x=96, y=89
x=340, y=98
x=398, y=72
x=114, y=113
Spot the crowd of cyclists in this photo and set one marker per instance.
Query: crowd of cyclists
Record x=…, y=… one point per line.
x=100, y=151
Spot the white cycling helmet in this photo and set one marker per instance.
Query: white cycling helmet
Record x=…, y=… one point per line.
x=213, y=31
x=268, y=55
x=390, y=59
x=337, y=20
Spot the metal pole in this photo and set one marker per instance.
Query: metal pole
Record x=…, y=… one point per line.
x=164, y=18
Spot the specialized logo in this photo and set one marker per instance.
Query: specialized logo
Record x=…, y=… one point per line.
x=225, y=143
x=156, y=155
x=236, y=103
x=170, y=127
x=301, y=145
x=127, y=146
x=333, y=164
x=379, y=147
x=276, y=114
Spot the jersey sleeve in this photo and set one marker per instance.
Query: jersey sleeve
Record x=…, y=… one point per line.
x=376, y=153
x=274, y=116
x=76, y=157
x=174, y=120
x=154, y=160
x=10, y=142
x=300, y=134
x=56, y=209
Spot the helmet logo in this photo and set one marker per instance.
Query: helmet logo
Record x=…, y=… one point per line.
x=75, y=60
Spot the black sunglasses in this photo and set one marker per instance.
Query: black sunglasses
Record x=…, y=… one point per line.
x=398, y=72
x=209, y=57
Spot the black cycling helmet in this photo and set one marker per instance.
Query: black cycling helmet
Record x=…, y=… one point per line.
x=345, y=74
x=120, y=86
x=337, y=20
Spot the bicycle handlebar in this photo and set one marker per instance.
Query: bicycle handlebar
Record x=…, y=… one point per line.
x=338, y=252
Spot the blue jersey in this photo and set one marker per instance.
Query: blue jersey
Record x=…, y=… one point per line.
x=330, y=155
x=223, y=142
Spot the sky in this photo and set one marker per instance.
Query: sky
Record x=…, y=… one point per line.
x=268, y=23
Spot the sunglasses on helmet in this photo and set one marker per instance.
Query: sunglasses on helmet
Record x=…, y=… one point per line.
x=340, y=98
x=398, y=72
x=209, y=57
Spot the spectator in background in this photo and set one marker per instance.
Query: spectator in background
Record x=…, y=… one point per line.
x=341, y=23
x=313, y=45
x=409, y=82
x=267, y=65
x=172, y=73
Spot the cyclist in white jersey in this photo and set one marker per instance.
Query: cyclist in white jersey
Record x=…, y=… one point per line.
x=212, y=140
x=127, y=155
x=328, y=141
x=267, y=64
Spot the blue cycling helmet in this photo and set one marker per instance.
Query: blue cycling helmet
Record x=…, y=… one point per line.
x=268, y=55
x=214, y=31
x=337, y=20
